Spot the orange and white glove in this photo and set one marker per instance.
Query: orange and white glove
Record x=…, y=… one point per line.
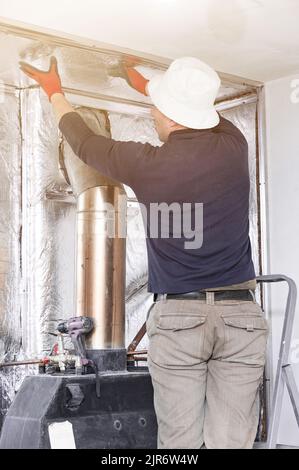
x=49, y=81
x=136, y=80
x=126, y=70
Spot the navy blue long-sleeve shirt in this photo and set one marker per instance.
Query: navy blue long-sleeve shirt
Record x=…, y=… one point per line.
x=208, y=167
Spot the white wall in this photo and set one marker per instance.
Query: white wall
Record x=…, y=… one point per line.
x=282, y=141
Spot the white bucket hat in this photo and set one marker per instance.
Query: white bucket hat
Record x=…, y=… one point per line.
x=186, y=93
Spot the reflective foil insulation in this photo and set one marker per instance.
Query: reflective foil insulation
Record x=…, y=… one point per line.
x=38, y=217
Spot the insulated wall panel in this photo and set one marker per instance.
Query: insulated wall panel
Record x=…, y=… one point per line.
x=10, y=234
x=49, y=234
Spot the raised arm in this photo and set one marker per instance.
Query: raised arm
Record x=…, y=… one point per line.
x=51, y=83
x=115, y=159
x=118, y=160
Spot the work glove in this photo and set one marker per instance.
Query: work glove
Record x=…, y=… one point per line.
x=126, y=71
x=49, y=81
x=136, y=80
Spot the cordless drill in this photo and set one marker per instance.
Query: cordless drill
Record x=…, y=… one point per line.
x=77, y=328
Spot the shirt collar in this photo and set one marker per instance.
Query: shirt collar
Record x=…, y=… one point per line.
x=190, y=133
x=187, y=133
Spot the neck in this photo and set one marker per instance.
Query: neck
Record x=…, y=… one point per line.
x=179, y=127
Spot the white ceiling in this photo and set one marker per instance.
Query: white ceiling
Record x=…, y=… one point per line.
x=256, y=39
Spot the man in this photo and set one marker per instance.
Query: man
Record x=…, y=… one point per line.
x=207, y=334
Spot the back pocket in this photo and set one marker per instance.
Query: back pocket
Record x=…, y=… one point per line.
x=177, y=322
x=245, y=338
x=178, y=339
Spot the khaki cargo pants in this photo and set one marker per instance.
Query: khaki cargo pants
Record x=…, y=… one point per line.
x=206, y=361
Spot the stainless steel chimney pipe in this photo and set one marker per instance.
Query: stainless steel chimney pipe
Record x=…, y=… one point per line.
x=101, y=243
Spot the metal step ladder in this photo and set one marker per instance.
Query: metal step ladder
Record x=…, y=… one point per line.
x=284, y=374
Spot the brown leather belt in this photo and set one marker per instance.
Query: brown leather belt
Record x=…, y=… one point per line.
x=242, y=294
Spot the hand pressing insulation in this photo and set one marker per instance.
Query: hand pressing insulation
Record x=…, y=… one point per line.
x=133, y=78
x=49, y=81
x=136, y=80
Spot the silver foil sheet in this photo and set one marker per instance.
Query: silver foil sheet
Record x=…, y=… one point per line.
x=48, y=235
x=10, y=247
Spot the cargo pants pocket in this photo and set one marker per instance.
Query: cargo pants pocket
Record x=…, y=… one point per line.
x=245, y=338
x=176, y=333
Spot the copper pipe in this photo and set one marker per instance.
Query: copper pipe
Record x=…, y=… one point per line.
x=133, y=353
x=139, y=359
x=21, y=363
x=137, y=338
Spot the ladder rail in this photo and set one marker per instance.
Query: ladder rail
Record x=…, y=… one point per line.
x=292, y=389
x=283, y=376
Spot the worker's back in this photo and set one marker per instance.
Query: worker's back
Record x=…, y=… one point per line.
x=208, y=167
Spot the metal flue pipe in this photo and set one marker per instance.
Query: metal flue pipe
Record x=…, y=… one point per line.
x=101, y=243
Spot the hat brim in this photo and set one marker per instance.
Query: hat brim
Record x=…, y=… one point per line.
x=185, y=116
